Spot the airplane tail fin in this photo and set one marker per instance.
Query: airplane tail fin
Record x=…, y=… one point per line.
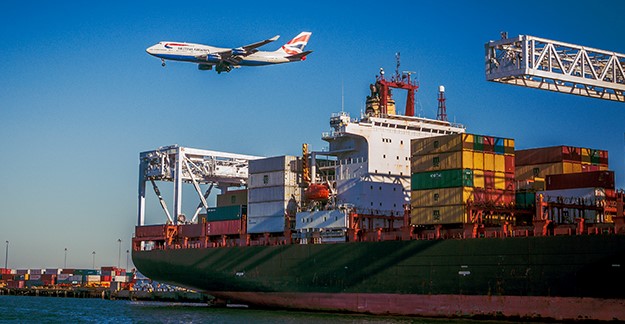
x=295, y=47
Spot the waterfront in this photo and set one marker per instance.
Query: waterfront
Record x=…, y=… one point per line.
x=26, y=309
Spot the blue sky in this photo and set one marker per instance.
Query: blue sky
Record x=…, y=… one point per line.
x=80, y=98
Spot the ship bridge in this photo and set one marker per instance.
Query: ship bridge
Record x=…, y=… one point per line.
x=188, y=165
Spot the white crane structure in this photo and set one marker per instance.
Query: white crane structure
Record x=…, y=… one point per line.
x=540, y=63
x=188, y=165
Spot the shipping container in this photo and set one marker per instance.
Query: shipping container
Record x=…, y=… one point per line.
x=226, y=227
x=272, y=179
x=91, y=278
x=525, y=199
x=452, y=214
x=554, y=154
x=442, y=179
x=186, y=230
x=23, y=271
x=105, y=278
x=4, y=271
x=33, y=283
x=224, y=213
x=272, y=224
x=441, y=197
x=489, y=161
x=599, y=179
x=36, y=271
x=277, y=163
x=232, y=198
x=442, y=161
x=53, y=271
x=16, y=284
x=441, y=144
x=120, y=279
x=275, y=193
x=67, y=271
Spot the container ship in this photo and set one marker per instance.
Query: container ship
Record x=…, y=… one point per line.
x=399, y=215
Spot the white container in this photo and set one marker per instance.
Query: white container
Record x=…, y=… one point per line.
x=278, y=193
x=259, y=225
x=276, y=163
x=120, y=278
x=92, y=278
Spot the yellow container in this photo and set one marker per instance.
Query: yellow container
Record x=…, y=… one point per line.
x=467, y=160
x=440, y=197
x=489, y=161
x=452, y=214
x=500, y=181
x=500, y=163
x=478, y=160
x=478, y=178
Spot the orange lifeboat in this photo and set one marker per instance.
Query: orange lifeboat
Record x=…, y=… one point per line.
x=316, y=191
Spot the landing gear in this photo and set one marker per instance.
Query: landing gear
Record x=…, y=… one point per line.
x=163, y=62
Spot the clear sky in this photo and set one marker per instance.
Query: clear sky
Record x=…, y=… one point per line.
x=80, y=97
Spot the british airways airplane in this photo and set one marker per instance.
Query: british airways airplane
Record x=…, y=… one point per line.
x=224, y=59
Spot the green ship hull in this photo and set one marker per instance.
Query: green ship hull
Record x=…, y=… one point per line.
x=560, y=268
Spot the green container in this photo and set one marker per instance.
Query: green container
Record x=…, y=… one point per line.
x=478, y=143
x=225, y=213
x=525, y=200
x=442, y=179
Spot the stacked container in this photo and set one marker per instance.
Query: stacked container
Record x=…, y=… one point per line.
x=541, y=162
x=449, y=171
x=224, y=220
x=271, y=185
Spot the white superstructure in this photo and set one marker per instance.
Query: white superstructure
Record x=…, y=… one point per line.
x=373, y=159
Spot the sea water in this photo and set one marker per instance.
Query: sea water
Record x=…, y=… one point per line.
x=26, y=309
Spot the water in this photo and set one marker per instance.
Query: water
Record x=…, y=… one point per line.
x=26, y=309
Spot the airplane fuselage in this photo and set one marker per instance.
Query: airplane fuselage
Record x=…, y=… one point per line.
x=204, y=54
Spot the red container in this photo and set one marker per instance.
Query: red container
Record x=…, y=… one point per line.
x=603, y=157
x=227, y=227
x=7, y=277
x=494, y=197
x=538, y=155
x=15, y=284
x=191, y=230
x=47, y=277
x=489, y=144
x=4, y=271
x=591, y=179
x=67, y=271
x=150, y=231
x=571, y=153
x=509, y=163
x=106, y=278
x=489, y=180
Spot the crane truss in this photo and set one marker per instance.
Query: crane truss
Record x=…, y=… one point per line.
x=540, y=63
x=188, y=165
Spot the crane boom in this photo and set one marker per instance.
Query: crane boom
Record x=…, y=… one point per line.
x=540, y=63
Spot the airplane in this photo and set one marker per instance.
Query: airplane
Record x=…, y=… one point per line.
x=225, y=59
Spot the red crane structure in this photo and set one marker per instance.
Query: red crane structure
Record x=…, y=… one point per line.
x=397, y=81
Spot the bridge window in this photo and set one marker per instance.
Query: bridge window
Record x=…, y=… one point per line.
x=265, y=179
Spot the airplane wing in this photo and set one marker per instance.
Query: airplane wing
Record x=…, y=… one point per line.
x=252, y=48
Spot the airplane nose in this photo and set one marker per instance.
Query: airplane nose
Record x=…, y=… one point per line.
x=150, y=50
